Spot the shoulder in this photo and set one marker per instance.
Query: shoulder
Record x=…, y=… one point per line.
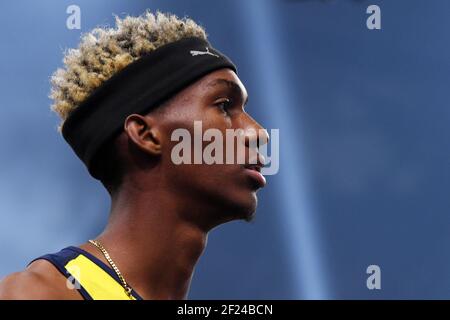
x=40, y=281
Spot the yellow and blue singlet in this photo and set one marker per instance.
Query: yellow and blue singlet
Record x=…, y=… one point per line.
x=89, y=275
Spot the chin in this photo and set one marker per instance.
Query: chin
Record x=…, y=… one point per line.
x=250, y=210
x=250, y=216
x=244, y=209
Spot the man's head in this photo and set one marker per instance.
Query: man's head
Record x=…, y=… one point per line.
x=141, y=152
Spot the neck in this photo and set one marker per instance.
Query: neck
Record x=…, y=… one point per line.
x=152, y=243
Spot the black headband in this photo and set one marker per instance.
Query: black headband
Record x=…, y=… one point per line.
x=138, y=88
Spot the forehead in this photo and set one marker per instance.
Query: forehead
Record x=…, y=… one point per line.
x=217, y=79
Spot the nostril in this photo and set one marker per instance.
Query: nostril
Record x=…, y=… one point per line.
x=251, y=141
x=261, y=159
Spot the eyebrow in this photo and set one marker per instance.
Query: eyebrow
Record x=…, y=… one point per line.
x=231, y=84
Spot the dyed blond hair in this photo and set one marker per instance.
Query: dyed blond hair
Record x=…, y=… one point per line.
x=105, y=51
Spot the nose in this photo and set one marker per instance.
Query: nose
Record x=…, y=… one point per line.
x=255, y=134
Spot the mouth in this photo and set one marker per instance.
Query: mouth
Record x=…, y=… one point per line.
x=253, y=171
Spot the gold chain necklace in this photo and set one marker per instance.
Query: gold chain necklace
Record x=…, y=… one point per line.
x=113, y=265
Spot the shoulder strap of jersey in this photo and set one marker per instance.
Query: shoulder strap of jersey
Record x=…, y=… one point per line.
x=89, y=275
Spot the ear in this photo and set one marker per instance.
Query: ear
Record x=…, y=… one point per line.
x=143, y=131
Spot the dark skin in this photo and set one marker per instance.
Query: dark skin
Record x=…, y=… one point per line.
x=161, y=213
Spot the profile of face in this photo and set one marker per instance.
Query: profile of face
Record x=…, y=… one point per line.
x=220, y=192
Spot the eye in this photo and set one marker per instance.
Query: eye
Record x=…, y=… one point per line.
x=224, y=104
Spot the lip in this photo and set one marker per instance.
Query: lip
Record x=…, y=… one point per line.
x=253, y=173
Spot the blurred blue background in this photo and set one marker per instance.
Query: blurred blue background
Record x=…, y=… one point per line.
x=363, y=116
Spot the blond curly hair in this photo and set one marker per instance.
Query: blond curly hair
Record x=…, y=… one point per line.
x=105, y=51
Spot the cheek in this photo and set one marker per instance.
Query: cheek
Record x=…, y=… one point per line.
x=207, y=116
x=193, y=130
x=208, y=181
x=210, y=118
x=210, y=176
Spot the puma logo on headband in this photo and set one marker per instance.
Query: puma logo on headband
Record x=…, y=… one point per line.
x=197, y=53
